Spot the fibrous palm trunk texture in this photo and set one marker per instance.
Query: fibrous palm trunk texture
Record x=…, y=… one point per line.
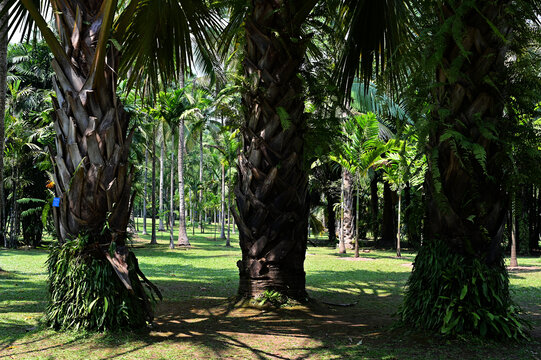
x=182, y=235
x=272, y=190
x=91, y=171
x=461, y=185
x=467, y=200
x=349, y=217
x=162, y=194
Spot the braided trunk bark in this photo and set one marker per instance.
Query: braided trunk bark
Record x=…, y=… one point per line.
x=272, y=190
x=469, y=211
x=349, y=216
x=467, y=202
x=92, y=174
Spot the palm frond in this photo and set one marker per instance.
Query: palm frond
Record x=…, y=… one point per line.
x=157, y=42
x=374, y=31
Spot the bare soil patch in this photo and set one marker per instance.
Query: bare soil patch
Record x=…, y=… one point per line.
x=314, y=331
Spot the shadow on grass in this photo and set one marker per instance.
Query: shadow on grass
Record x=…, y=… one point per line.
x=199, y=319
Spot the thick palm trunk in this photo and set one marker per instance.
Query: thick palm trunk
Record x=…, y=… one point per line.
x=3, y=88
x=465, y=188
x=467, y=202
x=92, y=175
x=272, y=190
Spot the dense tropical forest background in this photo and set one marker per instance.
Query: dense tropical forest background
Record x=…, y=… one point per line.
x=355, y=125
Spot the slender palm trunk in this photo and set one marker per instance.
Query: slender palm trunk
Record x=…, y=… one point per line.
x=331, y=216
x=222, y=212
x=388, y=236
x=182, y=235
x=162, y=190
x=3, y=87
x=374, y=207
x=357, y=222
x=145, y=194
x=398, y=252
x=348, y=223
x=172, y=196
x=513, y=261
x=14, y=206
x=228, y=241
x=153, y=239
x=341, y=243
x=272, y=189
x=200, y=199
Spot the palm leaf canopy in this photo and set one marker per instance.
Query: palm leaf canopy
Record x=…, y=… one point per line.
x=361, y=147
x=374, y=32
x=156, y=38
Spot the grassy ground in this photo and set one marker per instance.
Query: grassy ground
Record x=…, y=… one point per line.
x=197, y=320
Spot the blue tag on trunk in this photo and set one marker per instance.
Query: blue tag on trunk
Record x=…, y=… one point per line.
x=56, y=202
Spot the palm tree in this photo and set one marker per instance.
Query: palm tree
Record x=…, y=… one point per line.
x=358, y=153
x=92, y=174
x=403, y=167
x=162, y=169
x=174, y=107
x=468, y=164
x=172, y=195
x=271, y=194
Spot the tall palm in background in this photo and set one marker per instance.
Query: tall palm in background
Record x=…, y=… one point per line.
x=359, y=151
x=92, y=174
x=201, y=119
x=175, y=107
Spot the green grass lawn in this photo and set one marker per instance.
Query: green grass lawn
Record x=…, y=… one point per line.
x=195, y=320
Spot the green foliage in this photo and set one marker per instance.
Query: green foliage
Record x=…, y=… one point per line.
x=85, y=292
x=454, y=294
x=272, y=297
x=361, y=147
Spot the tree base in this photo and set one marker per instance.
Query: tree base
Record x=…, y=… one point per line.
x=86, y=293
x=456, y=294
x=287, y=284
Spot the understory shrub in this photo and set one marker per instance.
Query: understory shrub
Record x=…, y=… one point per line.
x=456, y=294
x=86, y=293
